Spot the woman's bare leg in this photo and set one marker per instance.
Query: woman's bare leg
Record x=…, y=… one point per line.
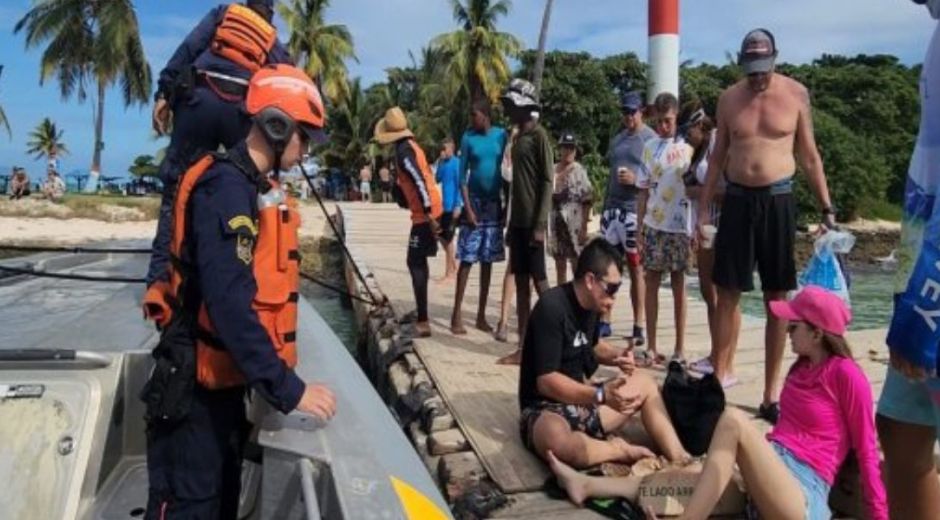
x=580, y=487
x=775, y=490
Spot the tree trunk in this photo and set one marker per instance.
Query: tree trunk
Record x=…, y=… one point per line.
x=99, y=125
x=540, y=54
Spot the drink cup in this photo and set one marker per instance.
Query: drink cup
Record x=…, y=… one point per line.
x=709, y=232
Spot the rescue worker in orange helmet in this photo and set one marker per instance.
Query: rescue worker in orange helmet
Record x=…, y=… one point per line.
x=203, y=86
x=229, y=313
x=415, y=189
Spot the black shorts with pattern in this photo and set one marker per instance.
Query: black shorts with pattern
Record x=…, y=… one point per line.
x=584, y=419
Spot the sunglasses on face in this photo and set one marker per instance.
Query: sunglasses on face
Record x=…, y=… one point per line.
x=629, y=111
x=610, y=288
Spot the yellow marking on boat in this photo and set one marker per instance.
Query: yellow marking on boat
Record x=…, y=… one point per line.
x=416, y=505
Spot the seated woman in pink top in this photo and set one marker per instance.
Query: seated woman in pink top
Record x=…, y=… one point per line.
x=825, y=410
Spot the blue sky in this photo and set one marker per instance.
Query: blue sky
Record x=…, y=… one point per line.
x=384, y=31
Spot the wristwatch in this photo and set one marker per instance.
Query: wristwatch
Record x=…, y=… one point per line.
x=829, y=210
x=599, y=395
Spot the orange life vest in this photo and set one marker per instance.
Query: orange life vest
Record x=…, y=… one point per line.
x=277, y=274
x=410, y=189
x=244, y=37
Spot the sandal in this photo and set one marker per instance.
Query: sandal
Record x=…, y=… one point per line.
x=645, y=359
x=702, y=366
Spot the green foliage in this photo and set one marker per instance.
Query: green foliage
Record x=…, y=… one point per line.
x=46, y=140
x=144, y=166
x=855, y=171
x=321, y=49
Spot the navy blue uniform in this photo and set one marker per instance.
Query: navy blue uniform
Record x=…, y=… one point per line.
x=201, y=122
x=194, y=466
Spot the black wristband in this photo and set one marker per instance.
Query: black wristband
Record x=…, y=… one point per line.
x=828, y=210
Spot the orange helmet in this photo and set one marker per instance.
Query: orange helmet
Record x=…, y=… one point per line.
x=276, y=91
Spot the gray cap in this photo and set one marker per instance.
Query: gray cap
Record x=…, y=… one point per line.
x=758, y=52
x=521, y=94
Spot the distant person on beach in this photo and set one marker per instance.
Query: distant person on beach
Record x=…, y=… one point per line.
x=561, y=412
x=385, y=183
x=698, y=129
x=532, y=172
x=19, y=184
x=909, y=408
x=663, y=213
x=827, y=411
x=448, y=179
x=54, y=187
x=764, y=124
x=481, y=230
x=572, y=196
x=419, y=193
x=365, y=183
x=200, y=97
x=618, y=219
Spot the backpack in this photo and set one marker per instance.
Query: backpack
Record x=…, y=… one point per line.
x=694, y=406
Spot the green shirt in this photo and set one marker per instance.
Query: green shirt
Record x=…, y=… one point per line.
x=532, y=170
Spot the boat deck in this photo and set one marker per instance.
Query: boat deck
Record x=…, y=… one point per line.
x=482, y=395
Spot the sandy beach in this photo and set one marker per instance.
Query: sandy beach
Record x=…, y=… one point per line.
x=73, y=231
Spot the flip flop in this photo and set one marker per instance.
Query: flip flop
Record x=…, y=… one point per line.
x=702, y=366
x=644, y=360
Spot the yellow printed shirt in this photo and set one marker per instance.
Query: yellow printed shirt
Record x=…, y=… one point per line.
x=664, y=162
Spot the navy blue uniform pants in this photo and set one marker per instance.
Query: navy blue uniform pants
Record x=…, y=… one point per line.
x=200, y=124
x=194, y=466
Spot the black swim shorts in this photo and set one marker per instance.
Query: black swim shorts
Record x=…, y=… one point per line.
x=526, y=257
x=757, y=228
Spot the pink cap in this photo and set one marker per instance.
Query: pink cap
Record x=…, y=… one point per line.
x=817, y=306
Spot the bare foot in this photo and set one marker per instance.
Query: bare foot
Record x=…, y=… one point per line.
x=447, y=279
x=502, y=333
x=570, y=480
x=631, y=452
x=457, y=328
x=483, y=325
x=512, y=359
x=422, y=329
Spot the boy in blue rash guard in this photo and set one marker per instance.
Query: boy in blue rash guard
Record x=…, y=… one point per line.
x=448, y=177
x=481, y=230
x=908, y=416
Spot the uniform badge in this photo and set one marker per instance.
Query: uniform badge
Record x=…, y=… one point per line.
x=244, y=248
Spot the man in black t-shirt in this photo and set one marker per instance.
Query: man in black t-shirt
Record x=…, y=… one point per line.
x=561, y=411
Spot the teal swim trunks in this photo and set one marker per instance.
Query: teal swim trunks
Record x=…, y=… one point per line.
x=912, y=402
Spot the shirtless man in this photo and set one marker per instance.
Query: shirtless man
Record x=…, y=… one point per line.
x=385, y=183
x=764, y=126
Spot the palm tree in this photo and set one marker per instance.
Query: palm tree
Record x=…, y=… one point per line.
x=322, y=49
x=46, y=141
x=352, y=129
x=91, y=44
x=3, y=115
x=476, y=54
x=540, y=54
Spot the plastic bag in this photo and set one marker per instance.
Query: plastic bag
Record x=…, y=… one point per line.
x=825, y=268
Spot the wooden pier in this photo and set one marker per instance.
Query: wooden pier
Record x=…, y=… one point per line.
x=476, y=432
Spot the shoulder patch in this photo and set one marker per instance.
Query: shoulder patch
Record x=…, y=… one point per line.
x=244, y=248
x=243, y=221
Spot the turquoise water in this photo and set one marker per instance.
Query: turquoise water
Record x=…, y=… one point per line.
x=335, y=312
x=871, y=295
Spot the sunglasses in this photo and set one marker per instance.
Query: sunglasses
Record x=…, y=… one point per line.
x=629, y=111
x=610, y=288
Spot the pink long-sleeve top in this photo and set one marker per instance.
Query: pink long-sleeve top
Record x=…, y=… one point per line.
x=825, y=410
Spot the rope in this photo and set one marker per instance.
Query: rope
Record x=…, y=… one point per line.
x=339, y=238
x=69, y=276
x=334, y=288
x=75, y=250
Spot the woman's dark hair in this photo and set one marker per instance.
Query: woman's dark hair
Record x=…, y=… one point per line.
x=690, y=117
x=596, y=258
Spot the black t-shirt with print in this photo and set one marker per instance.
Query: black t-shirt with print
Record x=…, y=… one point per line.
x=560, y=337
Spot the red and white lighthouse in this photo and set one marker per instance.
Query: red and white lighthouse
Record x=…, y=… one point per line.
x=663, y=48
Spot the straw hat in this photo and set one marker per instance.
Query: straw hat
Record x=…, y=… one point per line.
x=392, y=127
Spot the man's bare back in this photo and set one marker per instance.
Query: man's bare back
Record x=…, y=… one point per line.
x=365, y=174
x=762, y=129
